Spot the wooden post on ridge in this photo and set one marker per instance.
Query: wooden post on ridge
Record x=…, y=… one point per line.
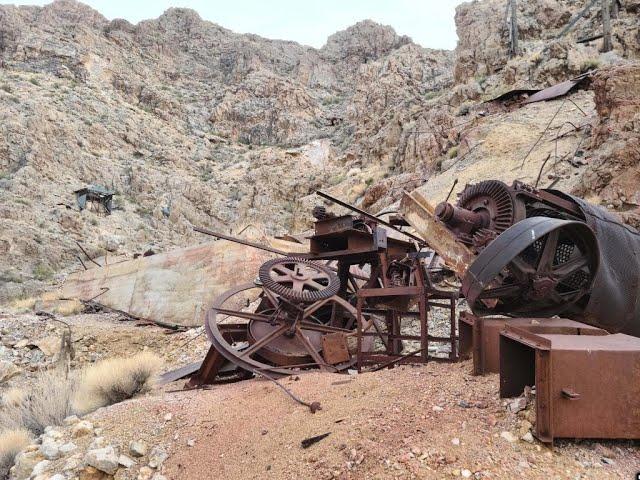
x=606, y=26
x=514, y=28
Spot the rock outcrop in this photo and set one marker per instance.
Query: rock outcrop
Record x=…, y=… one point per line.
x=192, y=124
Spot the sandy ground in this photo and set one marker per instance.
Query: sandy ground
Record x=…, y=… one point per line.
x=434, y=421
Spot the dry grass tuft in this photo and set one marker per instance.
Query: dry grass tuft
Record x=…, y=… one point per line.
x=47, y=403
x=116, y=379
x=68, y=307
x=23, y=304
x=13, y=397
x=11, y=443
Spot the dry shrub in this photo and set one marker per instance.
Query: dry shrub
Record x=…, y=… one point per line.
x=12, y=442
x=13, y=397
x=23, y=304
x=68, y=307
x=48, y=402
x=116, y=379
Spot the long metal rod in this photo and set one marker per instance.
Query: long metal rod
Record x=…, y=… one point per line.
x=369, y=216
x=87, y=255
x=240, y=241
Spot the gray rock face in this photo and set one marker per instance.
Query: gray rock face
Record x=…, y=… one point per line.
x=192, y=124
x=104, y=459
x=181, y=116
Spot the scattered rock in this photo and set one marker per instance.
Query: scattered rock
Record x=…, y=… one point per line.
x=145, y=473
x=517, y=404
x=157, y=457
x=466, y=473
x=607, y=461
x=82, y=428
x=125, y=461
x=40, y=468
x=25, y=462
x=50, y=449
x=67, y=448
x=104, y=459
x=508, y=436
x=455, y=441
x=527, y=437
x=138, y=448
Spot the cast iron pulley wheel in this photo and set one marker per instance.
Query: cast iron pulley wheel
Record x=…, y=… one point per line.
x=538, y=267
x=277, y=342
x=299, y=279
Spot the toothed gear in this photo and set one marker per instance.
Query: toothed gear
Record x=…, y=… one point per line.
x=491, y=196
x=299, y=279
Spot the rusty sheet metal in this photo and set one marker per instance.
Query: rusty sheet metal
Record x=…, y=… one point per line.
x=587, y=386
x=555, y=91
x=480, y=336
x=174, y=287
x=510, y=94
x=420, y=214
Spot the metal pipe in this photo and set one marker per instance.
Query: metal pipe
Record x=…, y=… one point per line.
x=240, y=241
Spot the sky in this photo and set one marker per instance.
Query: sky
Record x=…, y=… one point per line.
x=428, y=22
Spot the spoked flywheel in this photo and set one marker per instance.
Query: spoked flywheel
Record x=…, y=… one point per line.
x=283, y=337
x=538, y=267
x=299, y=279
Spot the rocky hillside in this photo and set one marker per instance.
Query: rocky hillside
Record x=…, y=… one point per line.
x=192, y=124
x=220, y=129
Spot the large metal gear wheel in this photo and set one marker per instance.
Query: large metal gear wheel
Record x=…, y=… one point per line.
x=277, y=342
x=298, y=279
x=493, y=200
x=538, y=267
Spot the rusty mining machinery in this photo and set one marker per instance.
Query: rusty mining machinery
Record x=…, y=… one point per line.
x=517, y=251
x=543, y=253
x=343, y=304
x=551, y=280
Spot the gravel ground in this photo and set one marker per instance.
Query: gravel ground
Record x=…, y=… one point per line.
x=433, y=421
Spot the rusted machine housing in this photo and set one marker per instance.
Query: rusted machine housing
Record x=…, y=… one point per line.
x=534, y=244
x=486, y=209
x=480, y=336
x=587, y=386
x=399, y=280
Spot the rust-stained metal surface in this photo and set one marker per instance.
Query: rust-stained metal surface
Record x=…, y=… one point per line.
x=299, y=313
x=421, y=216
x=557, y=90
x=552, y=92
x=480, y=336
x=587, y=386
x=543, y=252
x=173, y=288
x=540, y=266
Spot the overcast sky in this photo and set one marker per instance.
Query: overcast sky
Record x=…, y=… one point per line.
x=428, y=22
